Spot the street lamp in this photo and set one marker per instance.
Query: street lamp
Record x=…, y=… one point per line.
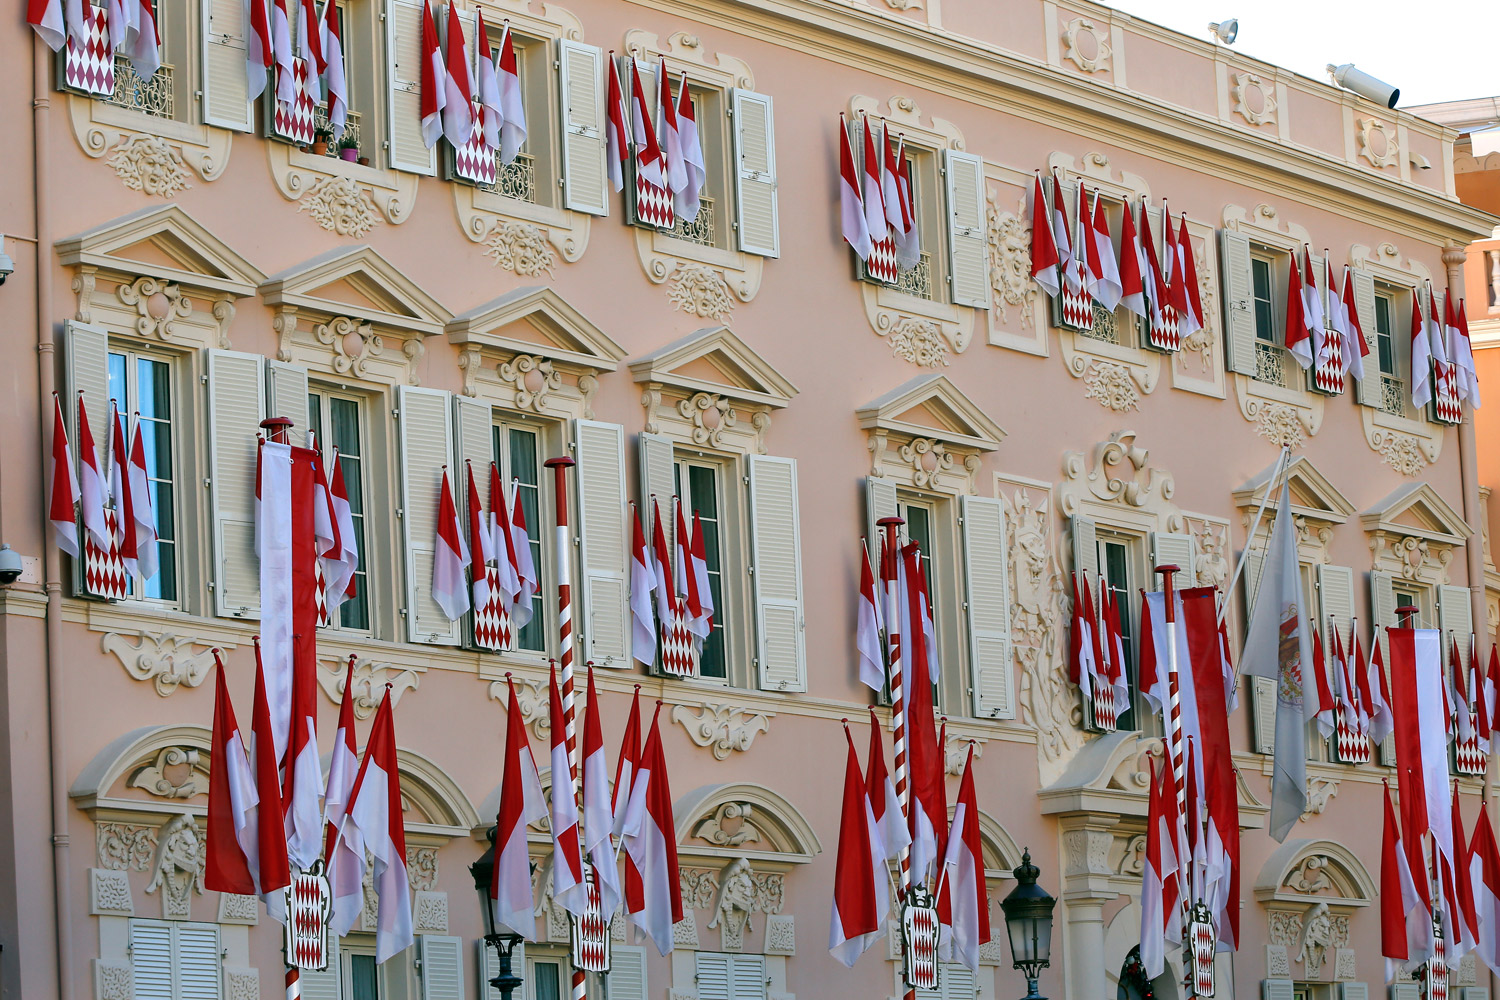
x=503, y=941
x=1028, y=922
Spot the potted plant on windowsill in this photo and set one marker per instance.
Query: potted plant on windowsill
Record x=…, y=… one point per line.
x=320, y=141
x=349, y=148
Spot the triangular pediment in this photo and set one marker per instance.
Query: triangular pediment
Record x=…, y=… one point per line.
x=358, y=283
x=537, y=321
x=165, y=243
x=714, y=360
x=1417, y=510
x=931, y=406
x=1312, y=495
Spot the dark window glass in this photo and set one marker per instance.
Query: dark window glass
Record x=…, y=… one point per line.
x=1265, y=316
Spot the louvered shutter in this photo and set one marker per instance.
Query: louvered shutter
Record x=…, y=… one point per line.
x=1456, y=619
x=1383, y=611
x=151, y=957
x=1086, y=550
x=713, y=976
x=626, y=979
x=1239, y=301
x=748, y=977
x=776, y=574
x=1470, y=993
x=968, y=234
x=1173, y=549
x=1276, y=989
x=1368, y=390
x=755, y=209
x=1335, y=598
x=958, y=983
x=236, y=406
x=987, y=583
x=286, y=396
x=580, y=71
x=1361, y=991
x=426, y=442
x=323, y=984
x=880, y=501
x=199, y=969
x=225, y=87
x=1262, y=689
x=1405, y=991
x=605, y=545
x=398, y=978
x=442, y=968
x=474, y=443
x=659, y=480
x=407, y=151
x=86, y=364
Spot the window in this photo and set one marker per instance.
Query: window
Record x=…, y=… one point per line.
x=515, y=454
x=357, y=82
x=926, y=279
x=923, y=527
x=1393, y=364
x=1421, y=599
x=720, y=976
x=175, y=959
x=1117, y=554
x=1273, y=364
x=157, y=96
x=142, y=388
x=550, y=977
x=715, y=220
x=337, y=422
x=698, y=489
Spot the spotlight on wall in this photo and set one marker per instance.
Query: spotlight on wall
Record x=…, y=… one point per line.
x=1364, y=84
x=7, y=266
x=1226, y=31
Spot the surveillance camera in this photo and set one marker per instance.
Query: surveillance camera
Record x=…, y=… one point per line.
x=1364, y=84
x=7, y=266
x=10, y=564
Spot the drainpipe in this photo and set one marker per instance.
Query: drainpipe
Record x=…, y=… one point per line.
x=46, y=351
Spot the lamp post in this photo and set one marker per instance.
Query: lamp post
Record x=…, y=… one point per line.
x=1028, y=923
x=503, y=941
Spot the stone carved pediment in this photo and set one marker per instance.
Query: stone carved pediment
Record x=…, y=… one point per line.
x=1306, y=871
x=712, y=819
x=715, y=361
x=1417, y=510
x=1312, y=495
x=147, y=774
x=927, y=434
x=164, y=242
x=433, y=805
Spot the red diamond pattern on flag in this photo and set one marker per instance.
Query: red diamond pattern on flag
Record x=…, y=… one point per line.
x=296, y=123
x=104, y=572
x=882, y=264
x=1329, y=375
x=653, y=204
x=1353, y=746
x=309, y=901
x=1445, y=403
x=1077, y=308
x=1165, y=335
x=90, y=67
x=1436, y=971
x=474, y=161
x=919, y=944
x=1201, y=939
x=492, y=624
x=1468, y=758
x=321, y=591
x=590, y=932
x=1104, y=706
x=678, y=657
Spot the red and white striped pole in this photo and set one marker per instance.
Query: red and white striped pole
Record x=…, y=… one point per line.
x=890, y=553
x=565, y=639
x=1174, y=740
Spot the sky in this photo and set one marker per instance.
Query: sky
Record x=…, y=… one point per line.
x=1450, y=53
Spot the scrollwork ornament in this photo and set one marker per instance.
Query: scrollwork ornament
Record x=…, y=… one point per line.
x=1246, y=84
x=701, y=291
x=372, y=681
x=1073, y=35
x=522, y=248
x=531, y=696
x=729, y=826
x=352, y=342
x=1402, y=452
x=919, y=341
x=340, y=206
x=1280, y=424
x=929, y=460
x=160, y=657
x=724, y=728
x=711, y=415
x=150, y=165
x=147, y=296
x=174, y=773
x=533, y=379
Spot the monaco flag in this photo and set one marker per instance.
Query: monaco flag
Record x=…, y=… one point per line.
x=568, y=886
x=434, y=79
x=63, y=496
x=1132, y=265
x=1160, y=895
x=281, y=48
x=231, y=798
x=627, y=763
x=488, y=90
x=449, y=557
x=700, y=575
x=651, y=841
x=91, y=488
x=642, y=584
x=1484, y=872
x=521, y=804
x=122, y=492
x=343, y=766
x=649, y=160
x=964, y=903
x=332, y=43
x=374, y=825
x=1298, y=334
x=884, y=802
x=503, y=540
x=1354, y=354
x=458, y=85
x=141, y=507
x=928, y=816
x=1461, y=351
x=1421, y=355
x=481, y=543
x=861, y=886
x=616, y=138
x=1044, y=255
x=1421, y=728
x=1108, y=288
x=669, y=130
x=867, y=629
x=258, y=55
x=852, y=223
x=1405, y=921
x=263, y=836
x=525, y=566
x=874, y=203
x=598, y=811
x=513, y=110
x=341, y=563
x=46, y=16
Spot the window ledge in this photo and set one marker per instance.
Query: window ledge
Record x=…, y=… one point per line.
x=1405, y=444
x=155, y=156
x=345, y=198
x=517, y=235
x=918, y=330
x=1116, y=376
x=1282, y=416
x=706, y=282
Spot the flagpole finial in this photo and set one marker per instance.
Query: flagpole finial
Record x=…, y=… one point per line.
x=637, y=687
x=218, y=657
x=256, y=640
x=352, y=658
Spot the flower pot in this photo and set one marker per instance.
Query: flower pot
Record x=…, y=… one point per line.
x=320, y=147
x=351, y=154
x=364, y=161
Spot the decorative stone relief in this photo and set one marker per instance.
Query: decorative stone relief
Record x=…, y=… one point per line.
x=149, y=164
x=165, y=659
x=1378, y=143
x=724, y=727
x=781, y=935
x=1111, y=386
x=1412, y=558
x=929, y=460
x=1401, y=452
x=904, y=4
x=109, y=893
x=422, y=868
x=430, y=912
x=733, y=904
x=177, y=868
x=369, y=914
x=175, y=773
x=340, y=206
x=919, y=341
x=699, y=886
x=554, y=925
x=237, y=909
x=932, y=466
x=370, y=680
x=533, y=380
x=1254, y=100
x=124, y=846
x=701, y=291
x=956, y=752
x=1321, y=933
x=1279, y=423
x=1119, y=473
x=705, y=417
x=1199, y=345
x=1320, y=792
x=729, y=826
x=1133, y=858
x=531, y=698
x=710, y=416
x=156, y=303
x=685, y=932
x=354, y=344
x=522, y=248
x=991, y=952
x=1467, y=973
x=1086, y=46
x=1210, y=551
x=1343, y=965
x=241, y=984
x=1010, y=264
x=1310, y=876
x=1278, y=962
x=113, y=980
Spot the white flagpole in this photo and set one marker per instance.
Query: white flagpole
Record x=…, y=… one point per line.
x=1283, y=461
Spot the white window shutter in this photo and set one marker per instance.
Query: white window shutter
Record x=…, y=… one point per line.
x=713, y=976
x=1361, y=991
x=968, y=231
x=1336, y=598
x=1263, y=719
x=1470, y=993
x=1086, y=550
x=226, y=89
x=487, y=967
x=236, y=406
x=426, y=441
x=474, y=445
x=442, y=968
x=776, y=574
x=748, y=974
x=1456, y=619
x=580, y=71
x=658, y=480
x=151, y=957
x=987, y=585
x=1173, y=549
x=407, y=151
x=200, y=971
x=755, y=173
x=605, y=543
x=1276, y=989
x=86, y=369
x=626, y=979
x=398, y=977
x=1239, y=301
x=286, y=396
x=1405, y=991
x=1368, y=390
x=324, y=984
x=880, y=501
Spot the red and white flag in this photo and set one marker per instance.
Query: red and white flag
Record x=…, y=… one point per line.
x=1161, y=924
x=616, y=138
x=867, y=630
x=374, y=825
x=141, y=508
x=343, y=767
x=1045, y=259
x=1438, y=343
x=1421, y=354
x=861, y=885
x=231, y=800
x=1355, y=345
x=331, y=40
x=700, y=583
x=46, y=17
x=1133, y=269
x=262, y=832
x=458, y=84
x=481, y=543
x=340, y=563
x=964, y=903
x=142, y=45
x=1299, y=338
x=1153, y=275
x=1462, y=692
x=526, y=575
x=651, y=841
x=487, y=85
x=650, y=162
x=927, y=818
x=503, y=540
x=884, y=802
x=1190, y=314
x=1405, y=919
x=259, y=56
x=1492, y=689
x=568, y=886
x=521, y=804
x=1382, y=717
x=1082, y=668
x=1421, y=725
x=686, y=201
x=1327, y=706
x=671, y=135
x=1461, y=350
x=121, y=492
x=310, y=46
x=909, y=239
x=512, y=107
x=598, y=810
x=1061, y=237
x=450, y=555
x=64, y=493
x=1460, y=921
x=1108, y=288
x=434, y=80
x=1484, y=873
x=1364, y=695
x=1115, y=643
x=1084, y=261
x=1482, y=696
x=874, y=203
x=666, y=590
x=626, y=763
x=852, y=224
x=284, y=54
x=1313, y=311
x=642, y=585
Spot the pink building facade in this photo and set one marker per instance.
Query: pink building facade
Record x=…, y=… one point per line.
x=173, y=253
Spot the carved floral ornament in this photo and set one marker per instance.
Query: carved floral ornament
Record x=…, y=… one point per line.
x=156, y=165
x=340, y=206
x=521, y=248
x=344, y=198
x=149, y=164
x=370, y=680
x=1086, y=46
x=1254, y=99
x=165, y=659
x=724, y=728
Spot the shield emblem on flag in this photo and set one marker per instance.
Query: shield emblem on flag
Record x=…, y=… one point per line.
x=919, y=941
x=589, y=932
x=1201, y=940
x=309, y=902
x=1435, y=972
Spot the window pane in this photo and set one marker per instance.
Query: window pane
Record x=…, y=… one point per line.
x=546, y=981
x=1265, y=317
x=343, y=420
x=364, y=978
x=152, y=406
x=118, y=366
x=524, y=467
x=1383, y=337
x=315, y=418
x=703, y=498
x=1114, y=561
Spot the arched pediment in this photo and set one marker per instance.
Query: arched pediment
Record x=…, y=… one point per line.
x=998, y=847
x=743, y=819
x=1308, y=871
x=432, y=801
x=153, y=771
